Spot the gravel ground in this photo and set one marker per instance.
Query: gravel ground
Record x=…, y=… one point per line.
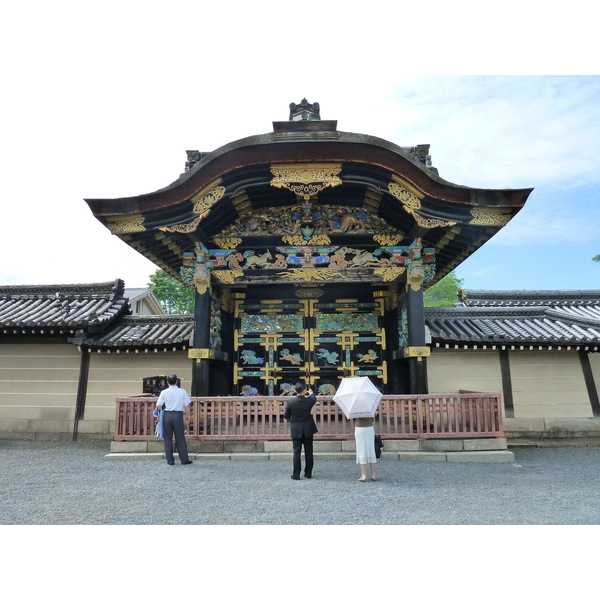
x=59, y=483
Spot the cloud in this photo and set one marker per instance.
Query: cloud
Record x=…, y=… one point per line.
x=507, y=131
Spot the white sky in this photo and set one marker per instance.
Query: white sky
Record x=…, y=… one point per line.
x=102, y=100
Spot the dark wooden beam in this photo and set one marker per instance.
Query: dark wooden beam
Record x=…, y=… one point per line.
x=588, y=376
x=84, y=370
x=507, y=391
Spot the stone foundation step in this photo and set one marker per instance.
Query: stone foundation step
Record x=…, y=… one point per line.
x=324, y=446
x=488, y=456
x=579, y=442
x=462, y=450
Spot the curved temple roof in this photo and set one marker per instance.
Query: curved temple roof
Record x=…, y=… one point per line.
x=310, y=162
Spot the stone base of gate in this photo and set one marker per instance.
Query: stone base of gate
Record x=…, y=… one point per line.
x=467, y=450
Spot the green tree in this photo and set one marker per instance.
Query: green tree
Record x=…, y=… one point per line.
x=596, y=258
x=444, y=292
x=174, y=297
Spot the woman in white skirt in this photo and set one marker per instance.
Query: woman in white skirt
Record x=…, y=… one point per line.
x=364, y=434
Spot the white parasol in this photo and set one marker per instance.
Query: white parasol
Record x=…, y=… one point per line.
x=357, y=397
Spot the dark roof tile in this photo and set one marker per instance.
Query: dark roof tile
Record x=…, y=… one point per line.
x=58, y=308
x=550, y=318
x=153, y=331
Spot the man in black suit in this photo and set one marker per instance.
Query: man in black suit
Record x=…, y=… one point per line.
x=303, y=428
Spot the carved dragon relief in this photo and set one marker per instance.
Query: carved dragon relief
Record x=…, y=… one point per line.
x=307, y=223
x=309, y=257
x=313, y=263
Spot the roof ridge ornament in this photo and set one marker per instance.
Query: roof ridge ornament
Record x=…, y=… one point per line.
x=305, y=111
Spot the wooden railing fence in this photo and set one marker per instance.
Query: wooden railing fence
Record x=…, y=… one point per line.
x=465, y=415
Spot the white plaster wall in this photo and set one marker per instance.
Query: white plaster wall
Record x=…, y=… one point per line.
x=449, y=371
x=548, y=385
x=113, y=375
x=38, y=381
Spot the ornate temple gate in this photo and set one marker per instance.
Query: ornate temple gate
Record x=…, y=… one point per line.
x=309, y=249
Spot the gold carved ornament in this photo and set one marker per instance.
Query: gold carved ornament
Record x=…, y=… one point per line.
x=309, y=292
x=418, y=352
x=298, y=240
x=227, y=243
x=412, y=204
x=407, y=197
x=195, y=273
x=127, y=224
x=489, y=217
x=430, y=223
x=202, y=283
x=415, y=278
x=388, y=240
x=202, y=202
x=228, y=276
x=311, y=274
x=306, y=180
x=389, y=273
x=200, y=353
x=184, y=227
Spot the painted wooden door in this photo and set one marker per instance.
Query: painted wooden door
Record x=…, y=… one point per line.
x=279, y=342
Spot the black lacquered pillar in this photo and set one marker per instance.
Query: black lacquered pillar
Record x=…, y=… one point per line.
x=200, y=351
x=416, y=351
x=195, y=271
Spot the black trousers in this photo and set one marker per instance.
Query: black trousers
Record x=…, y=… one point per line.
x=173, y=424
x=297, y=443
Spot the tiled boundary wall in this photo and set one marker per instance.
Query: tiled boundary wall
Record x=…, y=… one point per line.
x=39, y=384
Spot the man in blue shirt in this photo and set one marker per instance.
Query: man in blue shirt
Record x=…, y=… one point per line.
x=175, y=402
